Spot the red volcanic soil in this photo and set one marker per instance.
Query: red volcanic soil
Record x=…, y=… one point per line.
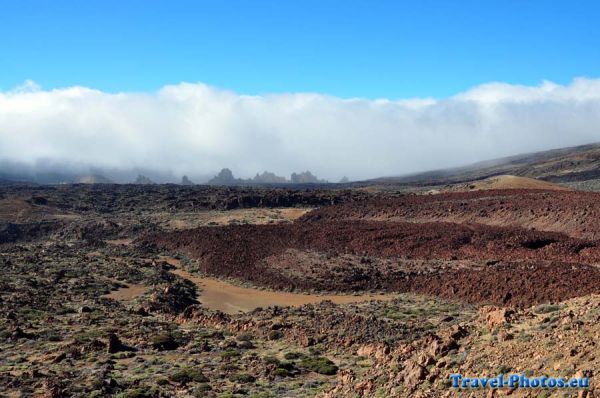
x=230, y=245
x=570, y=212
x=515, y=284
x=513, y=265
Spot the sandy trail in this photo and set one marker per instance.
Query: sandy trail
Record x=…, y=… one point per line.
x=219, y=295
x=223, y=296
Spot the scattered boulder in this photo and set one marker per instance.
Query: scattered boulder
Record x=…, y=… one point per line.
x=413, y=374
x=115, y=345
x=495, y=317
x=84, y=309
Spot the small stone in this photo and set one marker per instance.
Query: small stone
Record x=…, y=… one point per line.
x=141, y=311
x=59, y=358
x=573, y=352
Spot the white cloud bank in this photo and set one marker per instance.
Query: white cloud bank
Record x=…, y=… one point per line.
x=196, y=129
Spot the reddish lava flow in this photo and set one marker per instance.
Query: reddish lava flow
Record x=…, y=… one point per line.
x=572, y=212
x=516, y=284
x=515, y=264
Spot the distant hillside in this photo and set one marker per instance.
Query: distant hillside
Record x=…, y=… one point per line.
x=505, y=182
x=563, y=165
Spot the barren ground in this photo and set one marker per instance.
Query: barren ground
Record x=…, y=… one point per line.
x=164, y=291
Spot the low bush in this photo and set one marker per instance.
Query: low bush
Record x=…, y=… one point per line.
x=189, y=375
x=319, y=365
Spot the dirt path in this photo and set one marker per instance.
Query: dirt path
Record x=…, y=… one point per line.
x=229, y=298
x=224, y=296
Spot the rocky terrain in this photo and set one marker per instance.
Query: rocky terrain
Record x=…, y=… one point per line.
x=114, y=198
x=109, y=291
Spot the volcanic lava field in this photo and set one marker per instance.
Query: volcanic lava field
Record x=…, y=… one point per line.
x=478, y=247
x=106, y=290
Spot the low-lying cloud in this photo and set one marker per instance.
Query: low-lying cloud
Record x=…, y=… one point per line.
x=196, y=129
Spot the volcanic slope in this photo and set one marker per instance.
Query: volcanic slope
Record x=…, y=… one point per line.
x=579, y=163
x=506, y=182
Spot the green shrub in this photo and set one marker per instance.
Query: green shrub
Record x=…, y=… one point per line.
x=319, y=365
x=293, y=355
x=54, y=337
x=164, y=341
x=281, y=372
x=261, y=394
x=201, y=389
x=189, y=375
x=230, y=353
x=137, y=393
x=546, y=308
x=286, y=365
x=271, y=360
x=244, y=337
x=243, y=378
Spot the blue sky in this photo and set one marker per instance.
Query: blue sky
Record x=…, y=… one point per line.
x=370, y=49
